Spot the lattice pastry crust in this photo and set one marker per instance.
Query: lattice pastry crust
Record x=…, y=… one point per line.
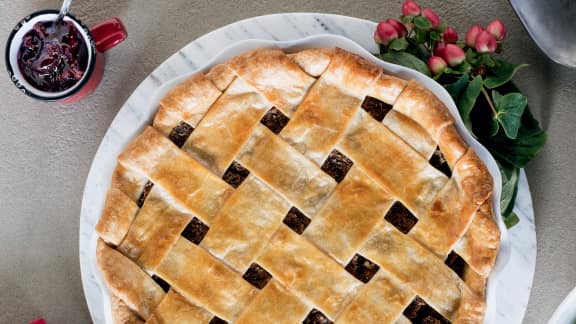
x=306, y=187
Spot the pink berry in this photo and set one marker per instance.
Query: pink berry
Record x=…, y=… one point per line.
x=472, y=34
x=385, y=33
x=497, y=29
x=400, y=28
x=450, y=35
x=432, y=17
x=454, y=55
x=439, y=48
x=436, y=64
x=410, y=8
x=38, y=321
x=485, y=43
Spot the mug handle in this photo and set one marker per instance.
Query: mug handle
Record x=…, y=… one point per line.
x=108, y=34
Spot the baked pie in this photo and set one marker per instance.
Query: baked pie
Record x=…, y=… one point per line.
x=308, y=187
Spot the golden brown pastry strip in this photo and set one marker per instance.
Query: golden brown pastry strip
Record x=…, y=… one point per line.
x=352, y=73
x=307, y=271
x=119, y=211
x=313, y=61
x=154, y=231
x=282, y=167
x=391, y=162
x=178, y=174
x=357, y=205
x=387, y=88
x=323, y=115
x=274, y=304
x=245, y=224
x=276, y=77
x=453, y=209
x=411, y=132
x=421, y=271
x=175, y=309
x=320, y=120
x=226, y=127
x=381, y=300
x=122, y=314
x=187, y=102
x=421, y=105
x=452, y=145
x=128, y=182
x=402, y=320
x=216, y=288
x=127, y=281
x=479, y=246
x=221, y=75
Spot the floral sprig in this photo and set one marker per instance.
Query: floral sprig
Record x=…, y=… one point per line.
x=491, y=106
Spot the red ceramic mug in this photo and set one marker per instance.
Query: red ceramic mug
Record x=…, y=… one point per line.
x=98, y=40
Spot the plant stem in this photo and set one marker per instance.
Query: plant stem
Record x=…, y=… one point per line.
x=489, y=101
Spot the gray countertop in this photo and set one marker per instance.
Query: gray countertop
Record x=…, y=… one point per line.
x=46, y=149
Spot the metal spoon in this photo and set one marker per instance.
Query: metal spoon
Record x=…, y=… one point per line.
x=551, y=25
x=63, y=10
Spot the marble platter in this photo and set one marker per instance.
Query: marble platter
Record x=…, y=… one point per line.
x=509, y=286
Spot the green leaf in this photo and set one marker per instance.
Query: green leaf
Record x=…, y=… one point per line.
x=453, y=72
x=468, y=99
x=455, y=89
x=509, y=110
x=465, y=67
x=407, y=60
x=518, y=152
x=399, y=44
x=438, y=76
x=470, y=56
x=435, y=36
x=419, y=36
x=487, y=60
x=510, y=176
x=511, y=220
x=422, y=23
x=406, y=19
x=501, y=73
x=494, y=127
x=442, y=27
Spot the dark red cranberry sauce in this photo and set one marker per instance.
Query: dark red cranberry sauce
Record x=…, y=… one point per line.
x=53, y=57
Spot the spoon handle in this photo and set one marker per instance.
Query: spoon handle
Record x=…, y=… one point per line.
x=64, y=10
